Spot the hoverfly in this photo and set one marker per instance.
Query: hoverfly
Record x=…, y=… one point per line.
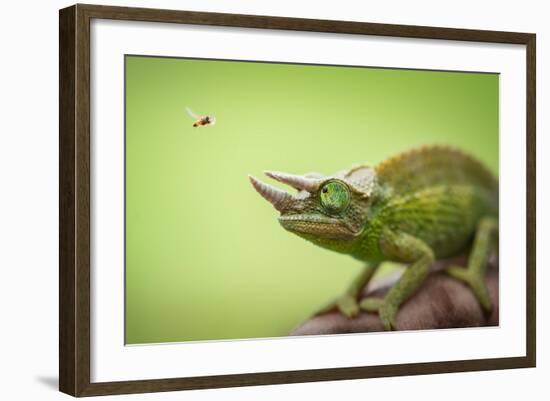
x=200, y=121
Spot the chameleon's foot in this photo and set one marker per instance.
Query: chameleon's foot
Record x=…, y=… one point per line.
x=386, y=310
x=346, y=304
x=475, y=282
x=371, y=304
x=474, y=274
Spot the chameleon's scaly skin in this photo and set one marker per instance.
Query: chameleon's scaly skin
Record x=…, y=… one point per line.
x=413, y=208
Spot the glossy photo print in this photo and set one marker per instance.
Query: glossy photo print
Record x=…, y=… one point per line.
x=274, y=199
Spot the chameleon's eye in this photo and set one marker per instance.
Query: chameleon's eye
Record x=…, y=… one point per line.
x=335, y=196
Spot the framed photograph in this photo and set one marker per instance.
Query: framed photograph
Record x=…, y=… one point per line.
x=251, y=200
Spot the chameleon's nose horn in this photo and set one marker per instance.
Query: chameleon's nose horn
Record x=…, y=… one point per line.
x=271, y=194
x=296, y=181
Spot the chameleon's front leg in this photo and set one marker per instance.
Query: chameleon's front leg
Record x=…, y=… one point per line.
x=405, y=248
x=348, y=302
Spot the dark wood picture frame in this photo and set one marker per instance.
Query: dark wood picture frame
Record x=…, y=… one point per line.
x=74, y=199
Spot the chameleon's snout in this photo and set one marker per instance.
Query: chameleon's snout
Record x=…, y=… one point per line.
x=318, y=226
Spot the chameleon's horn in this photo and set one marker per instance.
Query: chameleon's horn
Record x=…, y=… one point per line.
x=296, y=181
x=273, y=195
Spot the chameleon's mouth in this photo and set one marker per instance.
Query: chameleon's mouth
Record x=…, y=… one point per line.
x=318, y=225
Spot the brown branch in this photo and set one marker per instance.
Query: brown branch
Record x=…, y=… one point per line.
x=442, y=302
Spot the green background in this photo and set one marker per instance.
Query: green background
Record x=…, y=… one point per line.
x=205, y=256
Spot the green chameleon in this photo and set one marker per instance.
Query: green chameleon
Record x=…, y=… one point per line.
x=413, y=208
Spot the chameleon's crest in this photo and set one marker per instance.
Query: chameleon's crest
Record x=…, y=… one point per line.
x=362, y=179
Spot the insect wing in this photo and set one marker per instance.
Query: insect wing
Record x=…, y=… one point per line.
x=193, y=115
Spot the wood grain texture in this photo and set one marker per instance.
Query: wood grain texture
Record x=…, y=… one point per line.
x=74, y=206
x=302, y=24
x=67, y=287
x=531, y=201
x=74, y=197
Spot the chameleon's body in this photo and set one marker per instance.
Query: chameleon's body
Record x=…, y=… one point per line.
x=413, y=208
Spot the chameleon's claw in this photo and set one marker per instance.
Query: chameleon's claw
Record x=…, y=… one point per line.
x=348, y=306
x=387, y=314
x=476, y=283
x=385, y=310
